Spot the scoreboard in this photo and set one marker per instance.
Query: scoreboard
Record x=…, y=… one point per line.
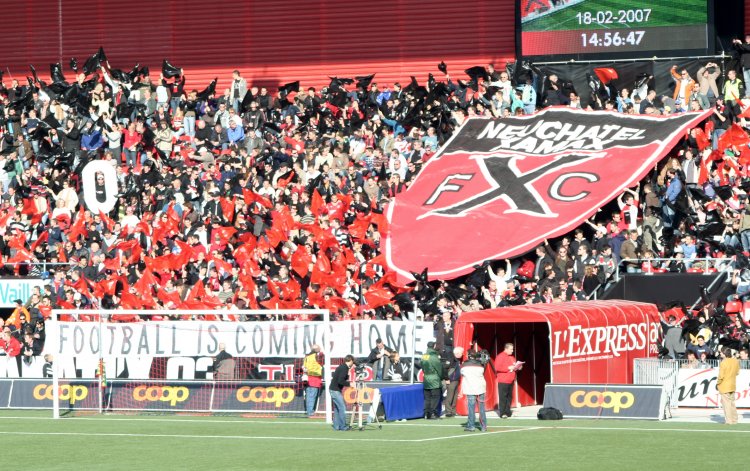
x=612, y=28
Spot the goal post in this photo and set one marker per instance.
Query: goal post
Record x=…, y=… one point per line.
x=191, y=361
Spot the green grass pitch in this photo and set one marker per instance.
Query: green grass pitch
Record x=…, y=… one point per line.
x=672, y=13
x=121, y=442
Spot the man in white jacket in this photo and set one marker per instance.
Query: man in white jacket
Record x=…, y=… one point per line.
x=474, y=387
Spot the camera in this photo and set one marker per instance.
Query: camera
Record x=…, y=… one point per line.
x=360, y=371
x=482, y=356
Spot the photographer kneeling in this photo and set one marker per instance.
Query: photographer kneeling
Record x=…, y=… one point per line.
x=338, y=382
x=474, y=388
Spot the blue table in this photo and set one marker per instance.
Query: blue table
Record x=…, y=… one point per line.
x=403, y=402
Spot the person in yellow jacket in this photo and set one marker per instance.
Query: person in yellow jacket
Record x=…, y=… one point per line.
x=726, y=383
x=313, y=368
x=15, y=317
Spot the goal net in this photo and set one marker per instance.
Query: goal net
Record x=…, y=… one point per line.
x=171, y=361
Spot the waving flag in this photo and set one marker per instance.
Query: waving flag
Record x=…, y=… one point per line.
x=498, y=188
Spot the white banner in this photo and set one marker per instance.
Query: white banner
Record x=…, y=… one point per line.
x=17, y=288
x=241, y=339
x=697, y=388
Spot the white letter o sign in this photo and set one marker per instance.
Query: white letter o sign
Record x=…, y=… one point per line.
x=88, y=175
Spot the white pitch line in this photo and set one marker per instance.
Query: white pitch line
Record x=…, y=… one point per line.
x=477, y=434
x=237, y=421
x=643, y=429
x=319, y=423
x=223, y=437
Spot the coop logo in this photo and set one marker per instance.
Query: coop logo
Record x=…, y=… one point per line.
x=169, y=394
x=602, y=400
x=365, y=395
x=67, y=392
x=271, y=395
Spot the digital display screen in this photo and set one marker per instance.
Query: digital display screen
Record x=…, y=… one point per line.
x=576, y=27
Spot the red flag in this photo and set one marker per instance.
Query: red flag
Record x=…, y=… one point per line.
x=735, y=136
x=61, y=256
x=108, y=221
x=30, y=208
x=227, y=207
x=316, y=203
x=21, y=256
x=276, y=236
x=337, y=303
x=18, y=240
x=703, y=172
x=701, y=139
x=113, y=263
x=43, y=237
x=378, y=296
x=606, y=74
x=275, y=303
x=166, y=298
x=78, y=229
x=221, y=265
x=251, y=197
x=144, y=227
x=380, y=220
x=130, y=301
x=301, y=261
x=135, y=254
x=243, y=253
x=5, y=215
x=146, y=283
x=283, y=219
x=224, y=234
x=283, y=182
x=358, y=229
x=172, y=214
x=125, y=245
x=197, y=291
x=187, y=253
x=158, y=264
x=326, y=240
x=64, y=304
x=105, y=287
x=82, y=286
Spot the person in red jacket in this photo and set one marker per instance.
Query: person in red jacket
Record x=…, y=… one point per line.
x=10, y=344
x=505, y=367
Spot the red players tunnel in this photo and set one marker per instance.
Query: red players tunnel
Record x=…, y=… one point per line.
x=592, y=342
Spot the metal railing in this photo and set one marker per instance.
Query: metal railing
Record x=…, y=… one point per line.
x=709, y=264
x=666, y=373
x=43, y=265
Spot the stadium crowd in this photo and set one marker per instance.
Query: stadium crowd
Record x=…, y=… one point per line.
x=236, y=197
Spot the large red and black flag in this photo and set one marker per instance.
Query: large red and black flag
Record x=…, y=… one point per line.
x=499, y=187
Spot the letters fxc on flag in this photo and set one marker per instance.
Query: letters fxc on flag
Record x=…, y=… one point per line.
x=499, y=187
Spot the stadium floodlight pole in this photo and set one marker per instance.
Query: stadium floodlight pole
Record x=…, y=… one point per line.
x=327, y=363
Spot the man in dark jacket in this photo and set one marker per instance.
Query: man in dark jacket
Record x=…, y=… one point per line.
x=432, y=368
x=454, y=378
x=380, y=359
x=340, y=380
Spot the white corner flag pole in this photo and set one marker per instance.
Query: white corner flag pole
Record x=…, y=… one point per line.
x=54, y=330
